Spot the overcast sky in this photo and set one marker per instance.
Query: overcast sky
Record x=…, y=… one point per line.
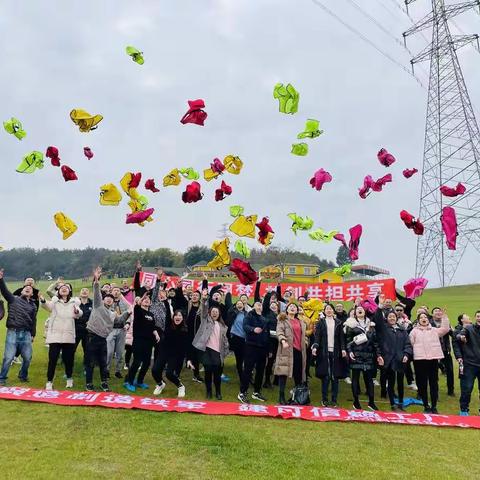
x=61, y=55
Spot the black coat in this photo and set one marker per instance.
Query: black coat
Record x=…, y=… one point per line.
x=366, y=353
x=340, y=365
x=394, y=343
x=456, y=343
x=471, y=349
x=251, y=321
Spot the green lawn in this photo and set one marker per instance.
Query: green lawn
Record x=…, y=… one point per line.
x=44, y=441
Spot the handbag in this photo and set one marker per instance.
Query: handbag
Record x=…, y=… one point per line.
x=360, y=339
x=300, y=395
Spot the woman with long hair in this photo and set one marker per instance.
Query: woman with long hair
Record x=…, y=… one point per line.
x=291, y=356
x=427, y=351
x=211, y=340
x=144, y=337
x=236, y=334
x=271, y=309
x=363, y=350
x=64, y=310
x=172, y=353
x=330, y=350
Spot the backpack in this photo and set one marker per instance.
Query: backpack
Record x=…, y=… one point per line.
x=300, y=395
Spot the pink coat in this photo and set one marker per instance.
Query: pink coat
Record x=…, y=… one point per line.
x=426, y=341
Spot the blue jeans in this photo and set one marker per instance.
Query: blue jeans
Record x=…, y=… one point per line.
x=470, y=372
x=22, y=340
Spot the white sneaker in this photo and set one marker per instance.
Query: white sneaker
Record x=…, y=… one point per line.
x=181, y=391
x=413, y=386
x=159, y=388
x=348, y=380
x=49, y=386
x=69, y=382
x=376, y=382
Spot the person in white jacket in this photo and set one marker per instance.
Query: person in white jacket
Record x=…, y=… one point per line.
x=64, y=309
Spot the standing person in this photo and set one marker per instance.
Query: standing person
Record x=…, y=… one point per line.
x=256, y=350
x=270, y=311
x=396, y=350
x=99, y=325
x=236, y=334
x=469, y=362
x=160, y=308
x=362, y=348
x=174, y=347
x=190, y=308
x=340, y=312
x=144, y=337
x=116, y=338
x=125, y=288
x=211, y=340
x=446, y=363
x=64, y=310
x=29, y=282
x=141, y=289
x=81, y=332
x=408, y=303
x=128, y=343
x=291, y=357
x=21, y=329
x=330, y=350
x=427, y=350
x=404, y=322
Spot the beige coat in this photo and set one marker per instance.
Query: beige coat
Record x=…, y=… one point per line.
x=284, y=359
x=61, y=323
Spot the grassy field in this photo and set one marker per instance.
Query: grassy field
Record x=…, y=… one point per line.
x=44, y=441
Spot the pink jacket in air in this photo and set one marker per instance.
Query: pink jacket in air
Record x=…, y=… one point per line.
x=426, y=341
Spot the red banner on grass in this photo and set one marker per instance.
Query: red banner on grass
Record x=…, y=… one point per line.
x=347, y=291
x=311, y=413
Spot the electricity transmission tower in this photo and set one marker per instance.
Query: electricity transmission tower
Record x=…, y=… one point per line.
x=452, y=144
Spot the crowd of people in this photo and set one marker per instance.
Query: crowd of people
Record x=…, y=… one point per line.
x=273, y=339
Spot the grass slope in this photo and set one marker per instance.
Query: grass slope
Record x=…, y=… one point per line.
x=46, y=441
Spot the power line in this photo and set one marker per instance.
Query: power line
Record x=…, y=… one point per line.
x=318, y=3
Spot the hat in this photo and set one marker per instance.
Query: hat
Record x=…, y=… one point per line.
x=244, y=226
x=192, y=193
x=311, y=129
x=288, y=98
x=65, y=224
x=244, y=271
x=265, y=232
x=140, y=217
x=84, y=120
x=385, y=158
x=150, y=185
x=195, y=114
x=222, y=258
x=137, y=55
x=300, y=149
x=320, y=177
x=31, y=162
x=172, y=178
x=14, y=127
x=110, y=195
x=68, y=174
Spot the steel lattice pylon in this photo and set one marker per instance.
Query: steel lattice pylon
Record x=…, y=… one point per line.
x=452, y=144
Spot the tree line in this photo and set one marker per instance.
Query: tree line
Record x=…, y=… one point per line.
x=19, y=263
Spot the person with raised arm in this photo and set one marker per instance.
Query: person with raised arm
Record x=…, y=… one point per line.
x=212, y=343
x=291, y=359
x=469, y=361
x=86, y=306
x=145, y=335
x=64, y=311
x=396, y=351
x=99, y=326
x=427, y=351
x=21, y=329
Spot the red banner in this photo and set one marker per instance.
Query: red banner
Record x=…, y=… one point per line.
x=347, y=291
x=311, y=413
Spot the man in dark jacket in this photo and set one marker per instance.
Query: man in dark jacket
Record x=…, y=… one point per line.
x=470, y=361
x=256, y=350
x=86, y=306
x=29, y=282
x=21, y=329
x=446, y=364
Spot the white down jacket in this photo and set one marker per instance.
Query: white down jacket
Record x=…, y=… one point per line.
x=61, y=323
